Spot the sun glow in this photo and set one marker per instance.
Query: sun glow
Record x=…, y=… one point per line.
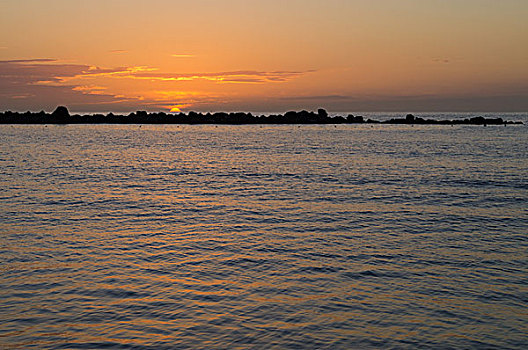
x=250, y=57
x=178, y=108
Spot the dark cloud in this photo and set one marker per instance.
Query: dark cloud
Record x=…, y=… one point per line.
x=442, y=60
x=319, y=97
x=33, y=84
x=28, y=72
x=30, y=60
x=36, y=97
x=35, y=71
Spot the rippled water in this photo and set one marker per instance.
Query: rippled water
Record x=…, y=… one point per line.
x=286, y=237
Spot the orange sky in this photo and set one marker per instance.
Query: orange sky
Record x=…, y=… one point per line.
x=264, y=56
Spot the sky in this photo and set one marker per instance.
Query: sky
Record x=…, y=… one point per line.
x=264, y=55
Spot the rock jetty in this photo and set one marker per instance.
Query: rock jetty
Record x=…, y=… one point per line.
x=62, y=116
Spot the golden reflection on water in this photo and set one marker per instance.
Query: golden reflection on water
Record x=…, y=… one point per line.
x=288, y=237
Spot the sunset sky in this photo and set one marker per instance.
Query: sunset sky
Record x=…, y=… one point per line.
x=264, y=56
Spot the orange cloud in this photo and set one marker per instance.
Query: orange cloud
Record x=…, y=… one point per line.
x=91, y=89
x=248, y=76
x=44, y=83
x=183, y=55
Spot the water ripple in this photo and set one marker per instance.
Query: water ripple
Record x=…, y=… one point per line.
x=275, y=237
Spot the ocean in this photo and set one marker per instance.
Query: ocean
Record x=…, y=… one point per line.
x=263, y=237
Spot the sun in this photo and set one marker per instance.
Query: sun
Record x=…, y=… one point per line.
x=178, y=107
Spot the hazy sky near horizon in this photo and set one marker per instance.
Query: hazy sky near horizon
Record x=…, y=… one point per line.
x=355, y=55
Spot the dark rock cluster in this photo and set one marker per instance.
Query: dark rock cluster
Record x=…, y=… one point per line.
x=411, y=119
x=62, y=116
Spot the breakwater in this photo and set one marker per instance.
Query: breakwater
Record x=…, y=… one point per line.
x=61, y=115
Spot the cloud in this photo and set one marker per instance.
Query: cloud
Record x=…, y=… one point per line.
x=243, y=80
x=33, y=83
x=319, y=97
x=442, y=60
x=34, y=60
x=35, y=71
x=42, y=83
x=183, y=55
x=94, y=71
x=118, y=51
x=91, y=89
x=49, y=72
x=242, y=76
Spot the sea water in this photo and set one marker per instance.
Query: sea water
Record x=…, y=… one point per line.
x=263, y=237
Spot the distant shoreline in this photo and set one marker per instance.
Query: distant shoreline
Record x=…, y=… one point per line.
x=62, y=116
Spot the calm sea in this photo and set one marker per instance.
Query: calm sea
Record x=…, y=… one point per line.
x=263, y=237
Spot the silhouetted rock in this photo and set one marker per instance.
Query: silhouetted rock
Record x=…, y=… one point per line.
x=354, y=119
x=62, y=116
x=61, y=112
x=322, y=113
x=338, y=120
x=477, y=120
